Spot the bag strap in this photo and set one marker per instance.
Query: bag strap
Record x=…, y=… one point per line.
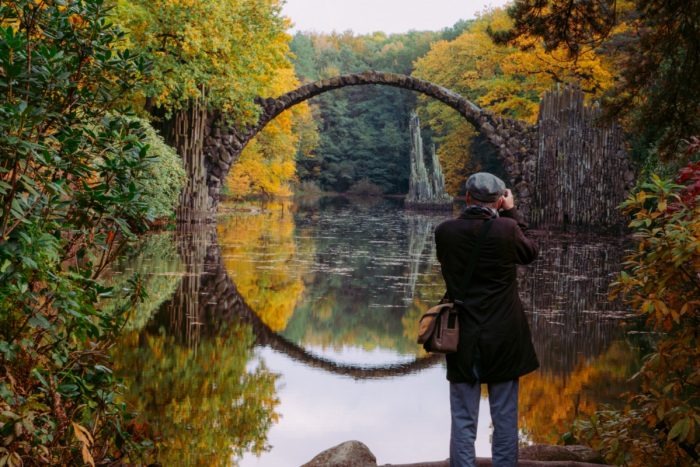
x=474, y=255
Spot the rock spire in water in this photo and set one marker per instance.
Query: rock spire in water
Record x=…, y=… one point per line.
x=422, y=188
x=439, y=192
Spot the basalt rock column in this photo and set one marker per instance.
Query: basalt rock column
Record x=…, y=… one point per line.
x=186, y=131
x=581, y=170
x=419, y=186
x=424, y=190
x=439, y=192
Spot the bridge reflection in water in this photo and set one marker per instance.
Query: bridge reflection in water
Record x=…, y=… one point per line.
x=308, y=281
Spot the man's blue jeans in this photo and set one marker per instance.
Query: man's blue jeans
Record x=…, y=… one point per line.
x=464, y=407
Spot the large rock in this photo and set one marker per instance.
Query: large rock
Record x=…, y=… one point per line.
x=347, y=454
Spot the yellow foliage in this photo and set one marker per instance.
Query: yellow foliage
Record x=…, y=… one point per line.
x=224, y=51
x=549, y=403
x=504, y=79
x=267, y=165
x=272, y=289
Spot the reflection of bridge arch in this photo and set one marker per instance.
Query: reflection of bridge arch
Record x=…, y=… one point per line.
x=564, y=291
x=207, y=299
x=298, y=353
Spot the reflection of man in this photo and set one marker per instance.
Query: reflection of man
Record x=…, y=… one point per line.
x=494, y=343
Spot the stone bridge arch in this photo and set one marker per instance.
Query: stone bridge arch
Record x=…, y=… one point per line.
x=223, y=144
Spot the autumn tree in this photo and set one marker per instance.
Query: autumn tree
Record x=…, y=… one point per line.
x=268, y=163
x=206, y=56
x=655, y=45
x=508, y=80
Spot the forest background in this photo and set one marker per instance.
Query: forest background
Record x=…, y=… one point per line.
x=91, y=92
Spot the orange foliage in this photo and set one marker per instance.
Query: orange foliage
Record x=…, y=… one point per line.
x=550, y=403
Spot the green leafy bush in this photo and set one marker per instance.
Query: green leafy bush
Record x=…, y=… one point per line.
x=661, y=281
x=164, y=177
x=70, y=201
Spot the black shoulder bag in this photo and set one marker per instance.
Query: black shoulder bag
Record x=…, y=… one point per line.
x=438, y=328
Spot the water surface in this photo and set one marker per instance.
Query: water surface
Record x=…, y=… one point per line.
x=290, y=328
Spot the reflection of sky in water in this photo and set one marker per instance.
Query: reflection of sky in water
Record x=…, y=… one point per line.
x=361, y=357
x=401, y=420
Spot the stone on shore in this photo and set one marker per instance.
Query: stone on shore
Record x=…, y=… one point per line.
x=356, y=454
x=347, y=454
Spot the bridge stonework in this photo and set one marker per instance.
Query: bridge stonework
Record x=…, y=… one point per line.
x=223, y=144
x=545, y=163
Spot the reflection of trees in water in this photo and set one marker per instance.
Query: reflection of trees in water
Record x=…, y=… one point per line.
x=367, y=263
x=208, y=317
x=262, y=257
x=205, y=304
x=156, y=262
x=576, y=331
x=189, y=373
x=549, y=403
x=205, y=404
x=566, y=291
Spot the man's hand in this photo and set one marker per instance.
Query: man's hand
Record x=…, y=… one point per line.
x=508, y=201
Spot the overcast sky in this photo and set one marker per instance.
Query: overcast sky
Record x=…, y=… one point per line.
x=364, y=16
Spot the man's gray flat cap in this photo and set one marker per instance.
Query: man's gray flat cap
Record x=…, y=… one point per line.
x=485, y=187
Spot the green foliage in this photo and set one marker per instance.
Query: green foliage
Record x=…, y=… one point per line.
x=661, y=425
x=70, y=201
x=155, y=261
x=221, y=51
x=164, y=177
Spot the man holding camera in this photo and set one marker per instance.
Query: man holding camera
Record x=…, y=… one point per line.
x=495, y=347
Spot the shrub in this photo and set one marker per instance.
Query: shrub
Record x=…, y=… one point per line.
x=160, y=184
x=70, y=202
x=661, y=425
x=308, y=188
x=364, y=187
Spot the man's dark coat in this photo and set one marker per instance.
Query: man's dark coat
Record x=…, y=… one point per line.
x=492, y=325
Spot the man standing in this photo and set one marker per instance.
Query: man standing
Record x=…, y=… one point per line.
x=495, y=346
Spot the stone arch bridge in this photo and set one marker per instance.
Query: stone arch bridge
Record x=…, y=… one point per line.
x=546, y=163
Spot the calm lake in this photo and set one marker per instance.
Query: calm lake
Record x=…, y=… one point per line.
x=289, y=327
